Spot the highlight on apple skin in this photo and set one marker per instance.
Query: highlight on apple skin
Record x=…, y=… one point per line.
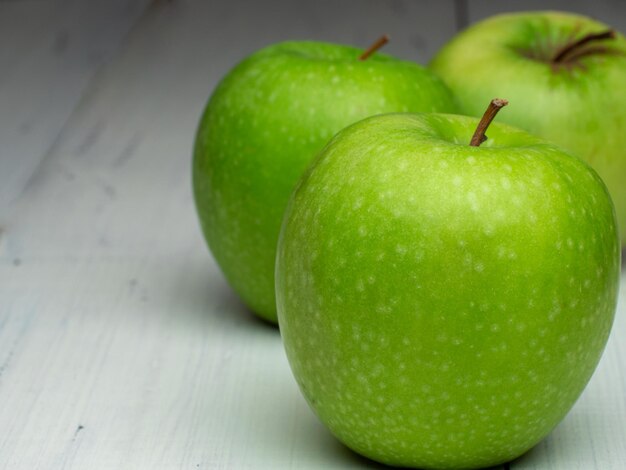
x=444, y=305
x=262, y=126
x=568, y=70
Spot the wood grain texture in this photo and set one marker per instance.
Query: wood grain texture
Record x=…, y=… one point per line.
x=121, y=346
x=612, y=12
x=49, y=51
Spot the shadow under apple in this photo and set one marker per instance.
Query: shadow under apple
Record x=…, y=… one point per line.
x=273, y=417
x=285, y=427
x=204, y=300
x=311, y=443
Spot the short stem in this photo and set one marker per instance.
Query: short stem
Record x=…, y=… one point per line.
x=380, y=42
x=566, y=50
x=479, y=134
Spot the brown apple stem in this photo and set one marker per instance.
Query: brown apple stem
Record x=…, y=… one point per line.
x=566, y=50
x=380, y=42
x=479, y=134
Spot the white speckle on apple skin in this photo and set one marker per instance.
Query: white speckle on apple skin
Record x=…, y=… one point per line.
x=473, y=201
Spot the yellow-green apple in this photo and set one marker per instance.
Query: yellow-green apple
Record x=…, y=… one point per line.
x=567, y=69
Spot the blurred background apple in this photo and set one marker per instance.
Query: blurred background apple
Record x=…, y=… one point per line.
x=566, y=75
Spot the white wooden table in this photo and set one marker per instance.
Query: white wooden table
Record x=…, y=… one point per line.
x=121, y=346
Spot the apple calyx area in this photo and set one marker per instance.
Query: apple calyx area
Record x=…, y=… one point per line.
x=479, y=136
x=574, y=50
x=380, y=42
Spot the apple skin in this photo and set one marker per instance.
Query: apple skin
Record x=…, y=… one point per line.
x=441, y=305
x=581, y=107
x=264, y=124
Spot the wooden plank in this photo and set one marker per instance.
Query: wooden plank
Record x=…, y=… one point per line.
x=417, y=29
x=49, y=51
x=121, y=346
x=612, y=12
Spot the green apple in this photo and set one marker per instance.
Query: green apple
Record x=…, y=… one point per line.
x=264, y=124
x=568, y=70
x=443, y=305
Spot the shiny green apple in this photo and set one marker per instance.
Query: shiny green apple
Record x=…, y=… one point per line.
x=567, y=69
x=443, y=305
x=262, y=126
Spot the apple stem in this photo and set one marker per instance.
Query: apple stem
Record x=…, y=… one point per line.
x=479, y=134
x=561, y=54
x=380, y=42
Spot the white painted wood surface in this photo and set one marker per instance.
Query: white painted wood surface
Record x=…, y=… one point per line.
x=612, y=12
x=120, y=344
x=49, y=51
